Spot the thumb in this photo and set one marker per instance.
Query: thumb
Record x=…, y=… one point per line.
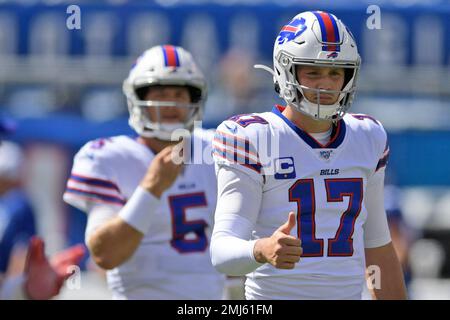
x=289, y=224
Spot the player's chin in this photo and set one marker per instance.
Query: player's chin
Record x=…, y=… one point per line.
x=325, y=101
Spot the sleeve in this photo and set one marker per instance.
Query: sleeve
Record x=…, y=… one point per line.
x=382, y=162
x=235, y=147
x=98, y=215
x=91, y=181
x=384, y=150
x=376, y=229
x=238, y=205
x=378, y=140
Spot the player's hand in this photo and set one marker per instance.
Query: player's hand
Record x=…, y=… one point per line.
x=162, y=172
x=281, y=249
x=44, y=279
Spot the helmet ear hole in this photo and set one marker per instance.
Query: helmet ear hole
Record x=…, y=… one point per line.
x=142, y=92
x=195, y=93
x=277, y=87
x=348, y=75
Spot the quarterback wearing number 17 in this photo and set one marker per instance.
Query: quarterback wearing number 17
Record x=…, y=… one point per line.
x=300, y=188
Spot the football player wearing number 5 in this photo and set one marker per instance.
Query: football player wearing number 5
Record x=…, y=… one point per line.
x=150, y=219
x=305, y=224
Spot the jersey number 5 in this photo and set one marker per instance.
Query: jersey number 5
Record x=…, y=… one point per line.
x=181, y=228
x=302, y=192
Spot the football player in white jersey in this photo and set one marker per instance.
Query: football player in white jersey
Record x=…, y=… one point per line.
x=150, y=219
x=305, y=219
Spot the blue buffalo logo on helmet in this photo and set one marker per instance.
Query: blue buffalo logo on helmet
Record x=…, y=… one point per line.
x=292, y=30
x=332, y=55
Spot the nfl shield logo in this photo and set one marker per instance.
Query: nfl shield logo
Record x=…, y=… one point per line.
x=325, y=154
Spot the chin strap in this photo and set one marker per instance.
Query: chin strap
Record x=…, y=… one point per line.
x=272, y=72
x=266, y=68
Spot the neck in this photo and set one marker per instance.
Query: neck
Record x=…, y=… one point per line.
x=306, y=123
x=154, y=144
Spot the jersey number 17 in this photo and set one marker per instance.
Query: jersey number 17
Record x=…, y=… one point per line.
x=302, y=192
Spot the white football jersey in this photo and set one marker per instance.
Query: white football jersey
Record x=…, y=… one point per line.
x=323, y=184
x=173, y=260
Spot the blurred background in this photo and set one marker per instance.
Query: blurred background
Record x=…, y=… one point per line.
x=61, y=87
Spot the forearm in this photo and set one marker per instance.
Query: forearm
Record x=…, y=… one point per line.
x=113, y=240
x=238, y=204
x=231, y=253
x=391, y=285
x=113, y=243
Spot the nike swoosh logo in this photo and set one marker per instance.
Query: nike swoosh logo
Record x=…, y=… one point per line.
x=233, y=130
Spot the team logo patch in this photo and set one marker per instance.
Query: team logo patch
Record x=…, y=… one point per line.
x=284, y=168
x=292, y=30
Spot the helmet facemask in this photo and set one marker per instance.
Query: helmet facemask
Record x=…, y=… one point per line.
x=146, y=115
x=294, y=92
x=163, y=66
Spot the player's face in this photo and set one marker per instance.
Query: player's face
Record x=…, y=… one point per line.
x=170, y=94
x=321, y=78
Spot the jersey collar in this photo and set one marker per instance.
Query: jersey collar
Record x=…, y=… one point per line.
x=337, y=135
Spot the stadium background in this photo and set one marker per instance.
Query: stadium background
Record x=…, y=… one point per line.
x=63, y=87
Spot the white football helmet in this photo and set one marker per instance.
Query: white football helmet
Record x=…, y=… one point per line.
x=159, y=66
x=315, y=38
